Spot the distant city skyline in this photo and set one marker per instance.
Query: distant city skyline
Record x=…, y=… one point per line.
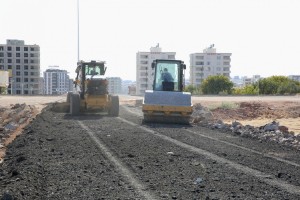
x=261, y=35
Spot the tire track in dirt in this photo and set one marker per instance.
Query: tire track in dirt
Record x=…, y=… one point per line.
x=292, y=189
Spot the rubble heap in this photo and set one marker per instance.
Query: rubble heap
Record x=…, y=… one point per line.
x=12, y=120
x=272, y=131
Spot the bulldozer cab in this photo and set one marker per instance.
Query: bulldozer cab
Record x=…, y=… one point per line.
x=169, y=75
x=90, y=78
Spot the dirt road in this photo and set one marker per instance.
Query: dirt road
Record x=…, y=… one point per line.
x=100, y=157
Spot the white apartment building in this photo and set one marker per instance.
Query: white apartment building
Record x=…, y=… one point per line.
x=294, y=77
x=56, y=81
x=23, y=64
x=208, y=63
x=114, y=85
x=144, y=71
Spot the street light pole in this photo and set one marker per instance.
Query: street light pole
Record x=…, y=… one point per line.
x=78, y=30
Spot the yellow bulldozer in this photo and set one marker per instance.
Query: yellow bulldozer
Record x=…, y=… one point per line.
x=166, y=102
x=92, y=90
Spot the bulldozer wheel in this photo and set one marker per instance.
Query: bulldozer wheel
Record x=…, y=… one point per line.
x=69, y=96
x=75, y=104
x=114, y=109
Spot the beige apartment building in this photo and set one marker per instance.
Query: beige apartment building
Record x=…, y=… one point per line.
x=208, y=63
x=114, y=85
x=23, y=64
x=144, y=71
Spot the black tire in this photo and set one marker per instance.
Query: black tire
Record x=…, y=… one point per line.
x=114, y=109
x=69, y=97
x=75, y=104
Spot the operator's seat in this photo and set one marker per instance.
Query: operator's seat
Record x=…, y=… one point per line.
x=168, y=86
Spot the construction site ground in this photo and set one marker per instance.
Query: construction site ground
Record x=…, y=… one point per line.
x=58, y=156
x=248, y=110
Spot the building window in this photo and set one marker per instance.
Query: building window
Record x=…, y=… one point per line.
x=199, y=74
x=25, y=54
x=9, y=54
x=1, y=54
x=18, y=67
x=144, y=56
x=9, y=67
x=1, y=48
x=25, y=48
x=31, y=61
x=18, y=79
x=18, y=73
x=32, y=73
x=225, y=63
x=200, y=57
x=25, y=73
x=199, y=69
x=17, y=48
x=18, y=54
x=31, y=49
x=25, y=60
x=1, y=60
x=144, y=62
x=2, y=67
x=8, y=48
x=9, y=61
x=172, y=57
x=31, y=67
x=26, y=80
x=199, y=63
x=26, y=67
x=208, y=63
x=32, y=80
x=226, y=57
x=225, y=68
x=18, y=61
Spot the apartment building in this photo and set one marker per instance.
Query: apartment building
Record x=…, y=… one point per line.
x=114, y=85
x=56, y=81
x=144, y=71
x=23, y=64
x=294, y=77
x=208, y=63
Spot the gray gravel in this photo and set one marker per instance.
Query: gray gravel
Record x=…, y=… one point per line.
x=57, y=158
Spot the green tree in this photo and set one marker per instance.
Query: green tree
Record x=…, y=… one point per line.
x=192, y=89
x=216, y=85
x=278, y=85
x=251, y=89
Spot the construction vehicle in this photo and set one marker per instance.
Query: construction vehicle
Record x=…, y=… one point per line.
x=91, y=90
x=166, y=102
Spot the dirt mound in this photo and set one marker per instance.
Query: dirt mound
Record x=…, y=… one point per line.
x=258, y=110
x=12, y=121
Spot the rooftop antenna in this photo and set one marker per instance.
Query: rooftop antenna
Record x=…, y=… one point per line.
x=78, y=30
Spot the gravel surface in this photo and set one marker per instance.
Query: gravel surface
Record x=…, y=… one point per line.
x=100, y=157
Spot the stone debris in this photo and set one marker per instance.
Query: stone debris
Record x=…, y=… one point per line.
x=270, y=132
x=13, y=117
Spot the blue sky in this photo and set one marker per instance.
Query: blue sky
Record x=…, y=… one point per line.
x=262, y=35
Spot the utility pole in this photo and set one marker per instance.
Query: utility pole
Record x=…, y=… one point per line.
x=78, y=30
